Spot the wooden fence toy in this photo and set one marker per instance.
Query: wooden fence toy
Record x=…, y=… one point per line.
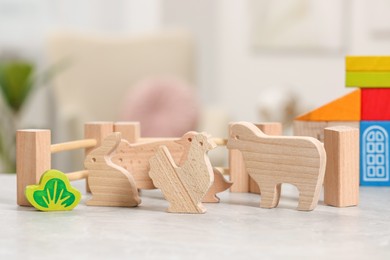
x=33, y=155
x=132, y=154
x=34, y=151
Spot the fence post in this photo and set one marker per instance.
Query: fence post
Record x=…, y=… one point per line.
x=341, y=183
x=237, y=170
x=238, y=174
x=33, y=158
x=130, y=131
x=268, y=128
x=97, y=131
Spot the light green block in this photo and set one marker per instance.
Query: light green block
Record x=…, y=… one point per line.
x=53, y=193
x=368, y=79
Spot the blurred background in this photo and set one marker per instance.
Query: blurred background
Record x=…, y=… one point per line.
x=175, y=65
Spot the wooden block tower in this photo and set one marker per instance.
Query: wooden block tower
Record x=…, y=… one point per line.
x=367, y=108
x=372, y=75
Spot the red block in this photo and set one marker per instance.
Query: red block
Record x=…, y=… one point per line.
x=375, y=104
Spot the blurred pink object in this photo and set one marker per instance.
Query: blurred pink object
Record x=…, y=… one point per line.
x=165, y=107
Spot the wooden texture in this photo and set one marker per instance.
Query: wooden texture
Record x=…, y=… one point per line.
x=135, y=158
x=97, y=131
x=130, y=131
x=110, y=184
x=376, y=104
x=367, y=79
x=33, y=158
x=367, y=63
x=184, y=185
x=220, y=184
x=238, y=175
x=316, y=129
x=242, y=182
x=271, y=128
x=271, y=161
x=345, y=108
x=79, y=175
x=86, y=143
x=341, y=183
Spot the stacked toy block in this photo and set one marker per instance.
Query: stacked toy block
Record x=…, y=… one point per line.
x=372, y=75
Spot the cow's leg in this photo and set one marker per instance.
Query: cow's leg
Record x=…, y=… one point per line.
x=278, y=191
x=308, y=197
x=270, y=194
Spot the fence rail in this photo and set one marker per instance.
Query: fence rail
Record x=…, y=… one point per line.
x=68, y=146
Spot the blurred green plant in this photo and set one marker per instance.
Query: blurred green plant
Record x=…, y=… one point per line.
x=16, y=83
x=18, y=79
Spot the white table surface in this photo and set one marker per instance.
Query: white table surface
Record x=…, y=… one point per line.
x=236, y=228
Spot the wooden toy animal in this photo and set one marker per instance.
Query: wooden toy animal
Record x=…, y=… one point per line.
x=271, y=161
x=220, y=184
x=135, y=158
x=184, y=184
x=110, y=184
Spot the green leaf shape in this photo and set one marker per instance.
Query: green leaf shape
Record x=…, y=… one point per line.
x=54, y=193
x=16, y=82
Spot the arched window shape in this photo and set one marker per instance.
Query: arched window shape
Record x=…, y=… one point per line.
x=375, y=152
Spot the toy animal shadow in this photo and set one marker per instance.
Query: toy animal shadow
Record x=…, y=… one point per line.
x=110, y=184
x=186, y=183
x=273, y=160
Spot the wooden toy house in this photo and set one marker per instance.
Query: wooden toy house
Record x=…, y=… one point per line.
x=367, y=108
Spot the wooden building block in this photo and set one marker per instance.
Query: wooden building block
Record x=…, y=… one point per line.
x=110, y=184
x=33, y=158
x=341, y=183
x=238, y=175
x=53, y=193
x=345, y=108
x=271, y=128
x=98, y=131
x=367, y=63
x=184, y=185
x=376, y=104
x=374, y=153
x=130, y=131
x=316, y=129
x=368, y=79
x=220, y=184
x=273, y=160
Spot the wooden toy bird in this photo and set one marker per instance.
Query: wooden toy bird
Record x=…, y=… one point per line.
x=184, y=185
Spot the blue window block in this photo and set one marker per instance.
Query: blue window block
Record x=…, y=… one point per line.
x=374, y=153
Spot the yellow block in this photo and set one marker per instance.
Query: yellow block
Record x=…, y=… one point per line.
x=346, y=108
x=367, y=63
